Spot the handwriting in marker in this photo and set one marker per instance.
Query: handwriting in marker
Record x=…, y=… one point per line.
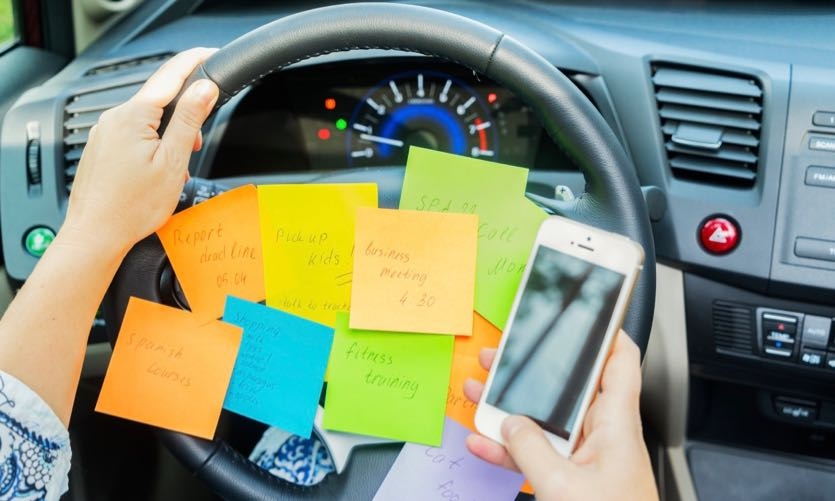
x=309, y=245
x=508, y=222
x=398, y=380
x=415, y=271
x=215, y=250
x=465, y=365
x=447, y=472
x=280, y=369
x=158, y=372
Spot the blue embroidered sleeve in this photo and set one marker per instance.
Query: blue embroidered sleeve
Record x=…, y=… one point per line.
x=34, y=445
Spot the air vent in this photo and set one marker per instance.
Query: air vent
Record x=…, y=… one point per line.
x=733, y=328
x=711, y=123
x=80, y=115
x=141, y=63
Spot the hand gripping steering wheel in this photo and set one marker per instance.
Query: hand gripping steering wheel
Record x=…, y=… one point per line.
x=612, y=200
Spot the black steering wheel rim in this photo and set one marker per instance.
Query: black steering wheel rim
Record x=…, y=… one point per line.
x=612, y=200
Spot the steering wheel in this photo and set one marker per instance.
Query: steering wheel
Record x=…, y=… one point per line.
x=613, y=198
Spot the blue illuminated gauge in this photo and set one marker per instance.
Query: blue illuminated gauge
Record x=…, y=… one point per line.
x=419, y=108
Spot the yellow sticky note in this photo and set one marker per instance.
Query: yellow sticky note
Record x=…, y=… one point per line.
x=215, y=250
x=170, y=369
x=414, y=271
x=465, y=365
x=308, y=241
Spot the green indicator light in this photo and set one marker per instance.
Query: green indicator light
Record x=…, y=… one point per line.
x=38, y=239
x=341, y=124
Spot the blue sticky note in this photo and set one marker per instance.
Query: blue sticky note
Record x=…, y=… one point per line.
x=280, y=368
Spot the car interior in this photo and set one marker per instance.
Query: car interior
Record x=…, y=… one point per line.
x=704, y=130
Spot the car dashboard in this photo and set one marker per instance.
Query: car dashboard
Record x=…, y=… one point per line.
x=727, y=111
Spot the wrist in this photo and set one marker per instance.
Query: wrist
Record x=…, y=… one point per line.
x=101, y=244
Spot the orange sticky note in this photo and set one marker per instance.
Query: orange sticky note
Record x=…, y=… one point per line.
x=170, y=369
x=215, y=250
x=465, y=365
x=414, y=271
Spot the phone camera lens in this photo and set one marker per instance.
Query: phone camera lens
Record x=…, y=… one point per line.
x=588, y=239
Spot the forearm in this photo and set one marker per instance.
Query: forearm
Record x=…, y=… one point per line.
x=43, y=333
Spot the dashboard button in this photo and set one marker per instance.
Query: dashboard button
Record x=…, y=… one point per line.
x=719, y=235
x=816, y=331
x=820, y=176
x=814, y=248
x=812, y=358
x=822, y=143
x=37, y=240
x=779, y=334
x=824, y=118
x=796, y=409
x=778, y=352
x=780, y=322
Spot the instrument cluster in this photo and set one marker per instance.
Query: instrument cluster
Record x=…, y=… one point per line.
x=367, y=114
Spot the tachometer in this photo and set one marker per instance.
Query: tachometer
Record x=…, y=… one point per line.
x=419, y=108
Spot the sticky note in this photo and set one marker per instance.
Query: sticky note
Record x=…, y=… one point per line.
x=465, y=365
x=215, y=250
x=390, y=385
x=280, y=367
x=414, y=271
x=308, y=241
x=169, y=368
x=507, y=226
x=446, y=472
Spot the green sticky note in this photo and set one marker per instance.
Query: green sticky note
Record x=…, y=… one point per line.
x=508, y=222
x=388, y=384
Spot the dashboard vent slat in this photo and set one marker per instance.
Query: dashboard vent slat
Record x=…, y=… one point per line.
x=80, y=115
x=702, y=116
x=101, y=100
x=716, y=101
x=712, y=168
x=729, y=136
x=142, y=63
x=733, y=328
x=682, y=78
x=711, y=122
x=728, y=153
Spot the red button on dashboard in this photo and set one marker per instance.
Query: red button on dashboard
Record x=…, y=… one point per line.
x=719, y=235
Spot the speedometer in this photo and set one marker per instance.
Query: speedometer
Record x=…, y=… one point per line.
x=419, y=108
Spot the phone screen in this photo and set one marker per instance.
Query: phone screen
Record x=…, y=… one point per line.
x=554, y=339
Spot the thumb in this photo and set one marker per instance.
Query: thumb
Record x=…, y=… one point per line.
x=183, y=131
x=536, y=458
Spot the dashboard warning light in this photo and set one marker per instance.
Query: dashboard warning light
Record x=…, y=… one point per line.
x=330, y=103
x=324, y=134
x=491, y=97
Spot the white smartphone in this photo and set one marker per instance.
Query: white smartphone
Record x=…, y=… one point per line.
x=569, y=306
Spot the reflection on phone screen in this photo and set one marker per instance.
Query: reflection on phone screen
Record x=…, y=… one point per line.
x=554, y=339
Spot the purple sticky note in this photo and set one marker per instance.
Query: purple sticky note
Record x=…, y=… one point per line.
x=447, y=472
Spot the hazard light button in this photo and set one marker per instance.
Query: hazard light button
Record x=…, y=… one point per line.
x=719, y=235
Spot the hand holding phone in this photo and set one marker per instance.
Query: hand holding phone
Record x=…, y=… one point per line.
x=610, y=462
x=570, y=304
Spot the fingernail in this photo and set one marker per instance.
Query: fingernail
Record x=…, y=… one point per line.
x=511, y=425
x=206, y=91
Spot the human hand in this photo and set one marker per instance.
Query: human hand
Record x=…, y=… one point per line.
x=611, y=461
x=129, y=179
